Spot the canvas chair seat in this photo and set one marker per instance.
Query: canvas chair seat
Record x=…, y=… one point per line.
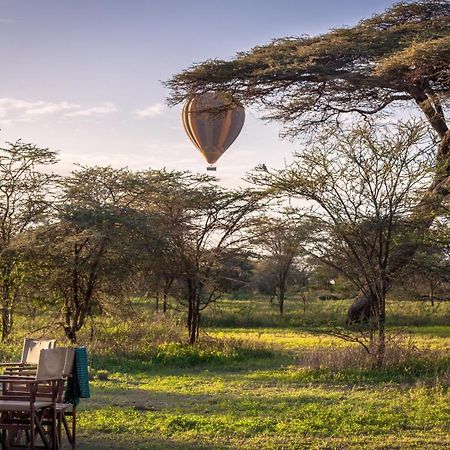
x=19, y=405
x=63, y=406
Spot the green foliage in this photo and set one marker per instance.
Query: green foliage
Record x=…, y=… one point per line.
x=310, y=81
x=24, y=203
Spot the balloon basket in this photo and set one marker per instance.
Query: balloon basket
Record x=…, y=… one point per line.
x=211, y=168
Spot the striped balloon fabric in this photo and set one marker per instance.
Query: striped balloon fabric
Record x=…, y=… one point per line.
x=213, y=121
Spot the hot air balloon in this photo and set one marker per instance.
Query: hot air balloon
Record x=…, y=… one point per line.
x=213, y=121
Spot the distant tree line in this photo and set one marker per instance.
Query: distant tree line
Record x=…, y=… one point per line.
x=83, y=245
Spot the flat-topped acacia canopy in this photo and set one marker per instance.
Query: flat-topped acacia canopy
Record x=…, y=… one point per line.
x=400, y=55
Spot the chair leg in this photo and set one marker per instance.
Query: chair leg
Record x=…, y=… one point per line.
x=47, y=440
x=60, y=421
x=74, y=425
x=56, y=439
x=3, y=439
x=70, y=432
x=32, y=444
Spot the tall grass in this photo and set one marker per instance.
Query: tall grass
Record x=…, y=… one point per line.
x=258, y=312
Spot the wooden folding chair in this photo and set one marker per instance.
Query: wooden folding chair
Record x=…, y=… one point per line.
x=30, y=356
x=64, y=410
x=25, y=412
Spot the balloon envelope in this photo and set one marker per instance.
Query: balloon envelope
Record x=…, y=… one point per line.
x=213, y=121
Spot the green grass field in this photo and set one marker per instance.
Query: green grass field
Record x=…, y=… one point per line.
x=256, y=381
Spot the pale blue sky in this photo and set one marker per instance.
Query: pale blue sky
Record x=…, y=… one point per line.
x=83, y=77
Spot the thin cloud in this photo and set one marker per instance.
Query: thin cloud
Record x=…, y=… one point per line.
x=19, y=110
x=151, y=111
x=44, y=108
x=32, y=106
x=106, y=108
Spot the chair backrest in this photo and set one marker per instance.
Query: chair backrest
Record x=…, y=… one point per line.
x=68, y=364
x=51, y=363
x=33, y=347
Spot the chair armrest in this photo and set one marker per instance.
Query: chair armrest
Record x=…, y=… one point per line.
x=26, y=380
x=17, y=378
x=19, y=372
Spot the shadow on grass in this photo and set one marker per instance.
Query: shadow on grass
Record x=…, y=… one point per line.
x=281, y=368
x=106, y=442
x=242, y=400
x=192, y=358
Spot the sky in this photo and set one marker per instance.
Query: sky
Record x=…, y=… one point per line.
x=84, y=77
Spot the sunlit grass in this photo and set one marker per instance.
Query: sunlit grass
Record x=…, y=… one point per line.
x=257, y=380
x=288, y=339
x=238, y=411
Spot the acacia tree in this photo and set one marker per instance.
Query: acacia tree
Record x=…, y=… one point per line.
x=83, y=251
x=363, y=185
x=155, y=236
x=280, y=240
x=206, y=229
x=25, y=199
x=400, y=57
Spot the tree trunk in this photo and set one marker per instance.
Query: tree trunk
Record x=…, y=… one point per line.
x=304, y=301
x=381, y=332
x=70, y=326
x=7, y=311
x=193, y=319
x=420, y=221
x=381, y=345
x=167, y=286
x=194, y=327
x=6, y=318
x=157, y=301
x=431, y=292
x=282, y=277
x=281, y=297
x=373, y=311
x=71, y=334
x=189, y=314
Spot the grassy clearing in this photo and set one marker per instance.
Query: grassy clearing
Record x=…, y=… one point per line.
x=242, y=412
x=271, y=385
x=273, y=407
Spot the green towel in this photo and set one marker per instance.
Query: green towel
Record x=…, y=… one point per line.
x=78, y=384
